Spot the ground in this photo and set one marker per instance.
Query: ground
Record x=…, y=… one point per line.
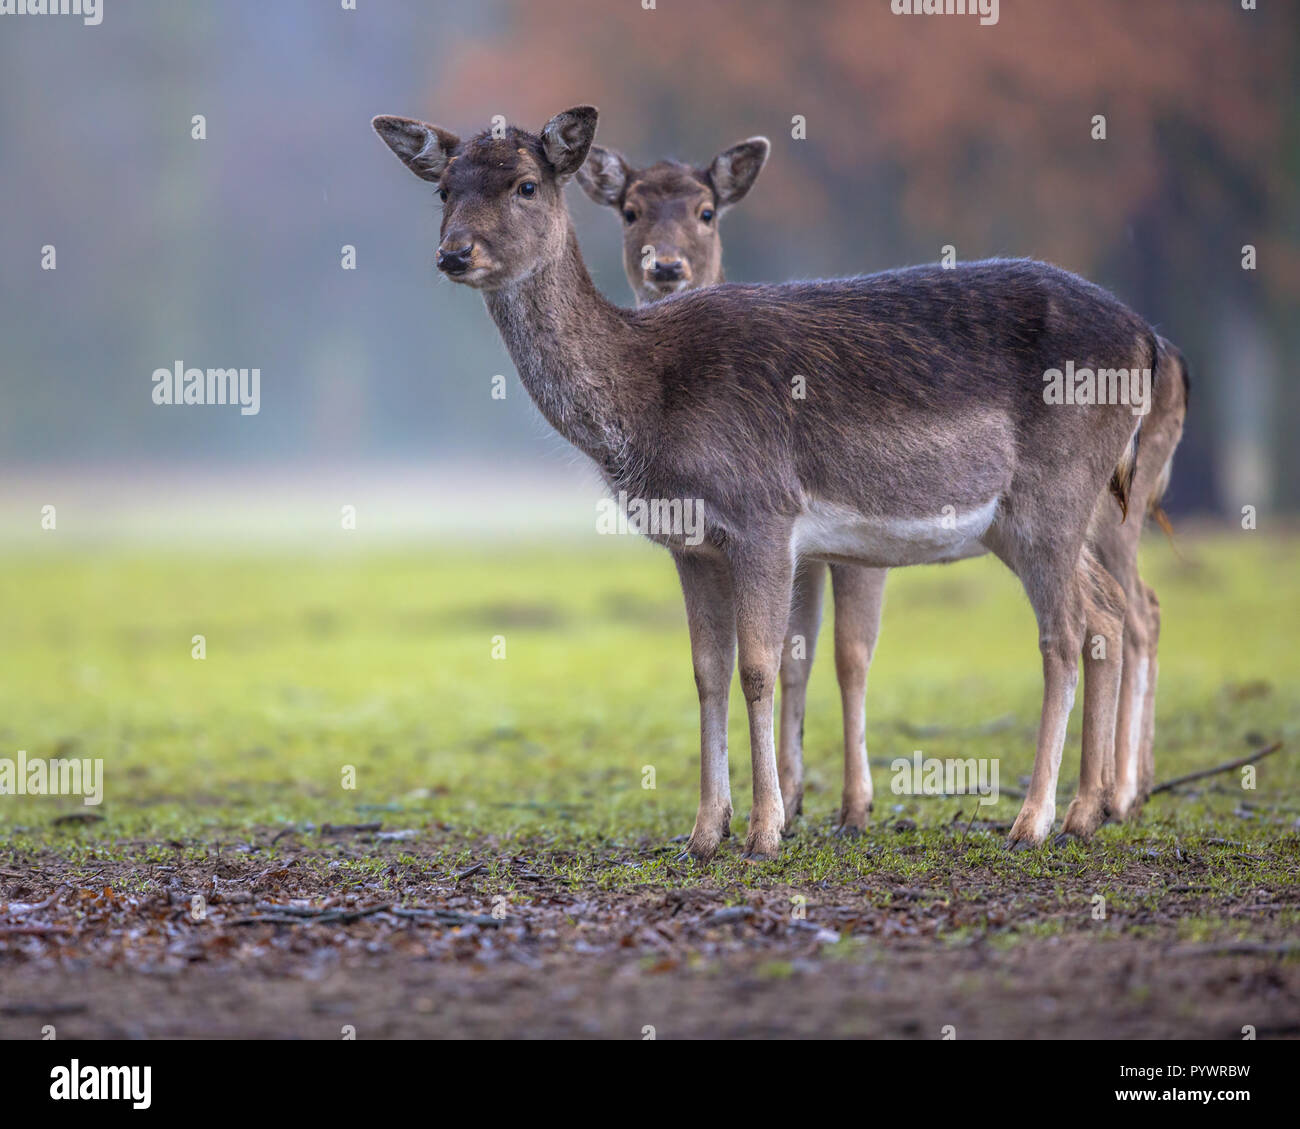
x=436, y=792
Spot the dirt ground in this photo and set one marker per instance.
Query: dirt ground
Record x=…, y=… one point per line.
x=114, y=949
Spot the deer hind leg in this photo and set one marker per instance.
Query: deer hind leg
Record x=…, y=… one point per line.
x=796, y=666
x=1133, y=695
x=1146, y=752
x=762, y=578
x=859, y=597
x=1056, y=591
x=1103, y=604
x=706, y=585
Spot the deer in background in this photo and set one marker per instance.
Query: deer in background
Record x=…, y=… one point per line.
x=925, y=436
x=671, y=242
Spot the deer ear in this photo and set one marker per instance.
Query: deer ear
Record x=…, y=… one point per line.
x=734, y=170
x=567, y=137
x=604, y=176
x=424, y=149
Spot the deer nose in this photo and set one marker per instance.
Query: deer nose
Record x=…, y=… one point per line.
x=668, y=270
x=455, y=260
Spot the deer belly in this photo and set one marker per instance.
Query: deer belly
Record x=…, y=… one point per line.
x=833, y=532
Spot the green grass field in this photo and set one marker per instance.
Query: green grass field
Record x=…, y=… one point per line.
x=386, y=663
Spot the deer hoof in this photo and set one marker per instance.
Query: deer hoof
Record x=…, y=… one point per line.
x=762, y=847
x=698, y=850
x=1083, y=818
x=1030, y=829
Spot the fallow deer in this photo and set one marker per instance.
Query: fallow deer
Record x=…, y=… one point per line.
x=670, y=213
x=924, y=436
x=671, y=242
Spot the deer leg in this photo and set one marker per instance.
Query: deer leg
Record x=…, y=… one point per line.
x=762, y=578
x=1103, y=657
x=1055, y=595
x=1132, y=703
x=1146, y=753
x=796, y=666
x=859, y=598
x=706, y=585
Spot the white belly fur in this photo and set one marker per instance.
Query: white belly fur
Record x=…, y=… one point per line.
x=830, y=531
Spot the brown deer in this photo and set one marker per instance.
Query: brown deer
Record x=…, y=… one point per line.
x=672, y=242
x=670, y=213
x=924, y=435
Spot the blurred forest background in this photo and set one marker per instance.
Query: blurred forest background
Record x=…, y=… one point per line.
x=921, y=132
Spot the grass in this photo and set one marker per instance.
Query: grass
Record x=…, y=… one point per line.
x=380, y=665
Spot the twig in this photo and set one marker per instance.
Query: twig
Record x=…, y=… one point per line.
x=35, y=1008
x=1267, y=750
x=31, y=907
x=293, y=911
x=970, y=823
x=1235, y=948
x=985, y=729
x=349, y=828
x=450, y=917
x=32, y=930
x=305, y=915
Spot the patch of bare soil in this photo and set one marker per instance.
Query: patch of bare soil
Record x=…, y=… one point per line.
x=285, y=948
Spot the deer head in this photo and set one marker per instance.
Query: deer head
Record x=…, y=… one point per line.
x=670, y=213
x=503, y=213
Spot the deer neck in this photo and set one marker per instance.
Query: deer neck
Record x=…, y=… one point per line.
x=569, y=346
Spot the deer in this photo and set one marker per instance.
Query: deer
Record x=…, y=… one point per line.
x=672, y=242
x=925, y=434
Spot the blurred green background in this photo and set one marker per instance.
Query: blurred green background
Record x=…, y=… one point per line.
x=921, y=132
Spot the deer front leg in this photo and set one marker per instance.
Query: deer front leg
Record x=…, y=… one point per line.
x=762, y=579
x=796, y=666
x=859, y=598
x=706, y=585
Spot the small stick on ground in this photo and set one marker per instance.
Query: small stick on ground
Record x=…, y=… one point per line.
x=32, y=930
x=1235, y=948
x=1258, y=754
x=970, y=823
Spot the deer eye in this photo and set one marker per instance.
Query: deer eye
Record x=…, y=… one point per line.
x=629, y=215
x=442, y=195
x=528, y=189
x=706, y=216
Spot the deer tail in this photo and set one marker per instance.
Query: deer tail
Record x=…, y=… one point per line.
x=1154, y=509
x=1121, y=481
